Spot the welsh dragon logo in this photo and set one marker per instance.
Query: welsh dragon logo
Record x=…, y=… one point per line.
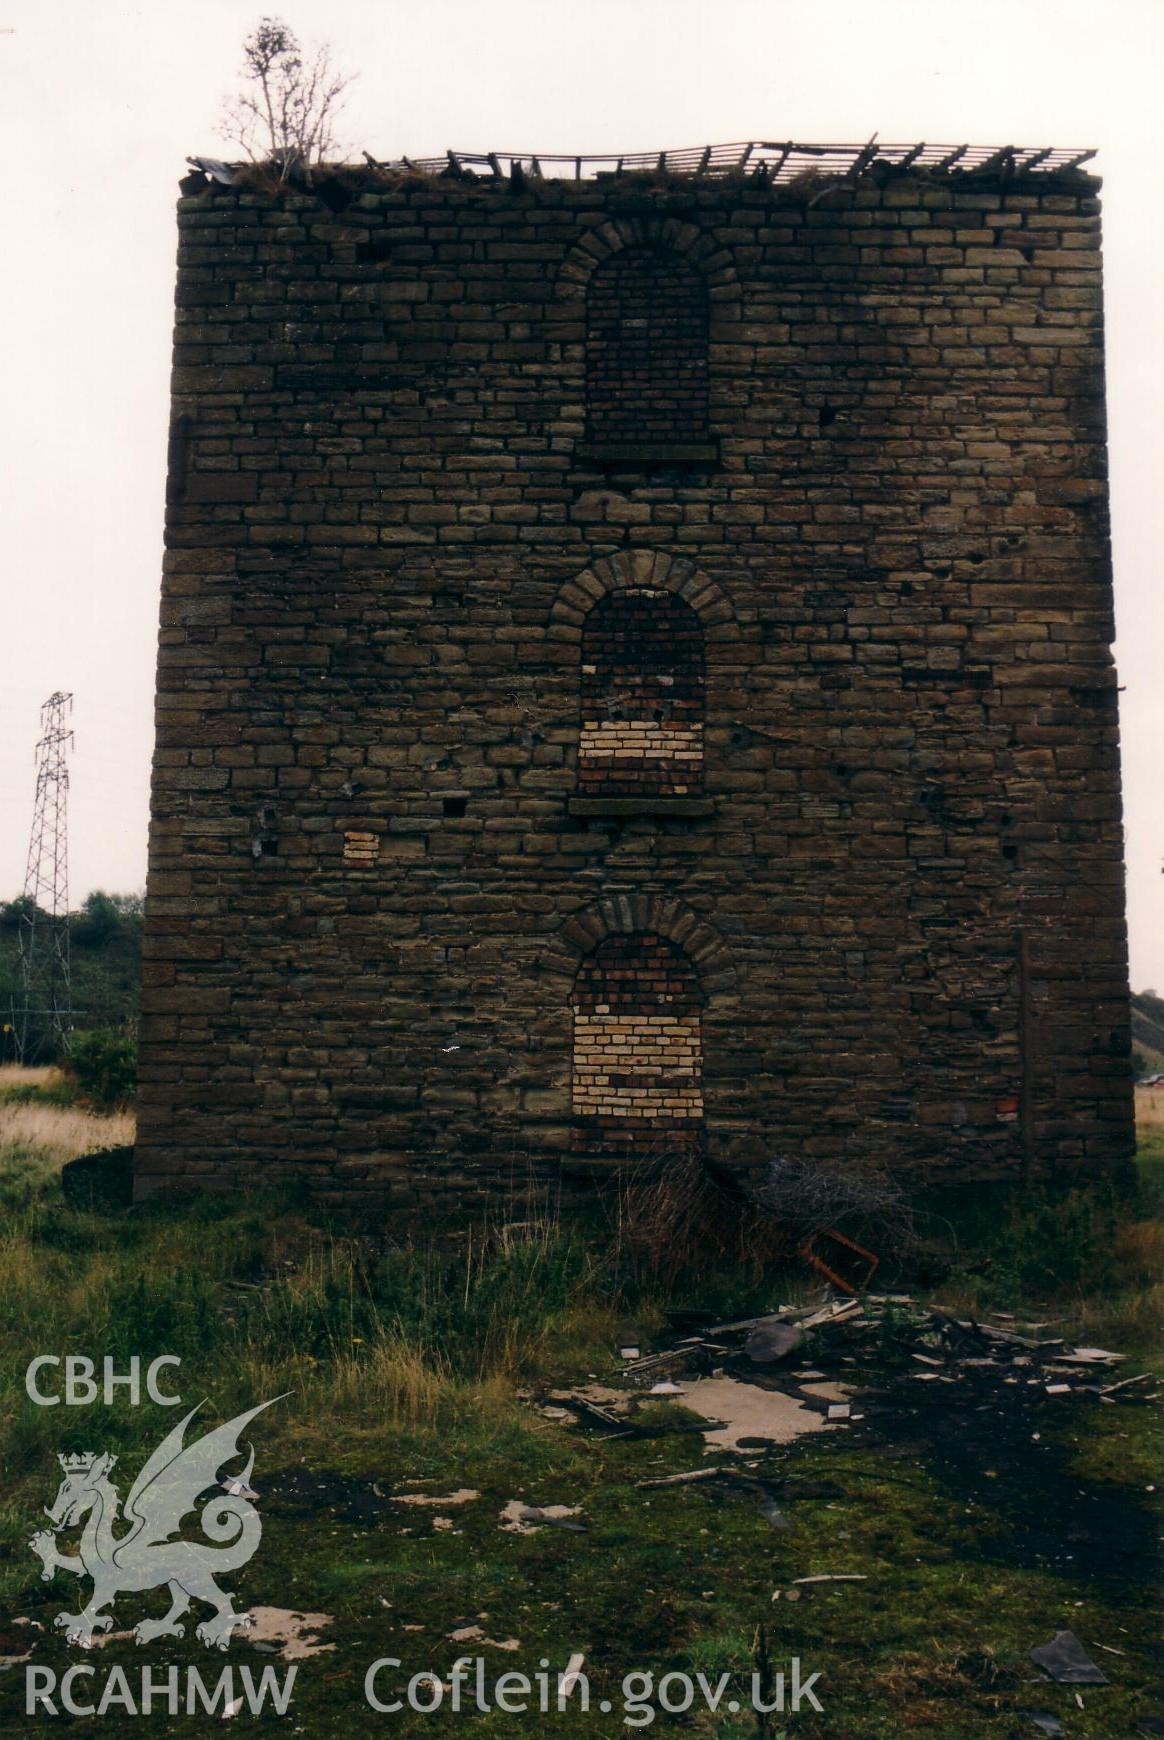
x=150, y=1553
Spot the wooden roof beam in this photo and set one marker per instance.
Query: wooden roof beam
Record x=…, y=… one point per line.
x=998, y=160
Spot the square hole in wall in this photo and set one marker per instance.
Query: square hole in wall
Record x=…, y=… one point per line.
x=454, y=806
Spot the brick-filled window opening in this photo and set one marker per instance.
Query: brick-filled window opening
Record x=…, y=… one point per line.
x=642, y=697
x=638, y=1049
x=646, y=349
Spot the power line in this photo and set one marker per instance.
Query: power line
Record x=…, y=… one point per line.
x=42, y=1026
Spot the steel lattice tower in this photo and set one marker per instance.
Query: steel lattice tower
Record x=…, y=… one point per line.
x=44, y=1022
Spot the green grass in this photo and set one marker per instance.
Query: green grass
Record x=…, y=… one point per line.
x=415, y=1360
x=57, y=1093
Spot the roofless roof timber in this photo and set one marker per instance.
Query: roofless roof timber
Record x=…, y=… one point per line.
x=762, y=161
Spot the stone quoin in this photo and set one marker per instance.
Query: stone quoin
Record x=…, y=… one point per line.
x=635, y=674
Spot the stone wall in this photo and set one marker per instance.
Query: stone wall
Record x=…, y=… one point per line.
x=378, y=861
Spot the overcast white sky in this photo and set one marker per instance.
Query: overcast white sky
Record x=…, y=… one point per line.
x=101, y=100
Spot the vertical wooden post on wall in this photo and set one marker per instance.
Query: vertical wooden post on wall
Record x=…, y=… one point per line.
x=1027, y=1056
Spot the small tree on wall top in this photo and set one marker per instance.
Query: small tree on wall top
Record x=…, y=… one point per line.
x=285, y=113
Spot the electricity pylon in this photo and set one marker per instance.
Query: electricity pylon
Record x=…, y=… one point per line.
x=44, y=1023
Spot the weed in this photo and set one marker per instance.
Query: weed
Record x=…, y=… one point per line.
x=404, y=1355
x=104, y=1065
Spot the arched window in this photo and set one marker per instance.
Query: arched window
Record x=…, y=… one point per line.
x=646, y=349
x=638, y=1051
x=642, y=697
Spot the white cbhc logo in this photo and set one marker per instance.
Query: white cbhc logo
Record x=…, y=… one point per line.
x=82, y=1387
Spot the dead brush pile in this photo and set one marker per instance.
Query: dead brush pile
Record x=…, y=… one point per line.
x=676, y=1214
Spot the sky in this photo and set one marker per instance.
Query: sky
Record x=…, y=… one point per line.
x=101, y=101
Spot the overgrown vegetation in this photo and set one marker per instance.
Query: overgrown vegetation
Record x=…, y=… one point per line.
x=104, y=1065
x=414, y=1359
x=285, y=112
x=105, y=956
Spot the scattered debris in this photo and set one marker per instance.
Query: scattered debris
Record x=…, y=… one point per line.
x=15, y=1647
x=1044, y=1721
x=597, y=1404
x=217, y=171
x=474, y=1634
x=684, y=1479
x=836, y=1311
x=840, y=1251
x=294, y=1635
x=749, y=1414
x=1145, y=1377
x=1066, y=1661
x=735, y=1480
x=822, y=1391
x=568, y=1678
x=463, y=1495
x=519, y=1518
x=613, y=1411
x=726, y=1374
x=772, y=1340
x=832, y=1577
x=238, y=1488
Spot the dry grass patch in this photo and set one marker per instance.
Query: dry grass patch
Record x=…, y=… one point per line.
x=60, y=1133
x=15, y=1075
x=922, y=1688
x=1149, y=1108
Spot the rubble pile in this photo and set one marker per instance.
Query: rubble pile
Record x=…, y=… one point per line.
x=768, y=1379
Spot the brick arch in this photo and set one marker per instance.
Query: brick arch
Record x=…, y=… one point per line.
x=642, y=568
x=652, y=914
x=599, y=244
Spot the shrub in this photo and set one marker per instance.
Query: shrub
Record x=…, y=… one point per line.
x=105, y=1065
x=676, y=1218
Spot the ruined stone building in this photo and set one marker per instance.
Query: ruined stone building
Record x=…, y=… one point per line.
x=635, y=675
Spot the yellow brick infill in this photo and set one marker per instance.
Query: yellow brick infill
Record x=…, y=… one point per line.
x=640, y=739
x=637, y=1066
x=361, y=848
